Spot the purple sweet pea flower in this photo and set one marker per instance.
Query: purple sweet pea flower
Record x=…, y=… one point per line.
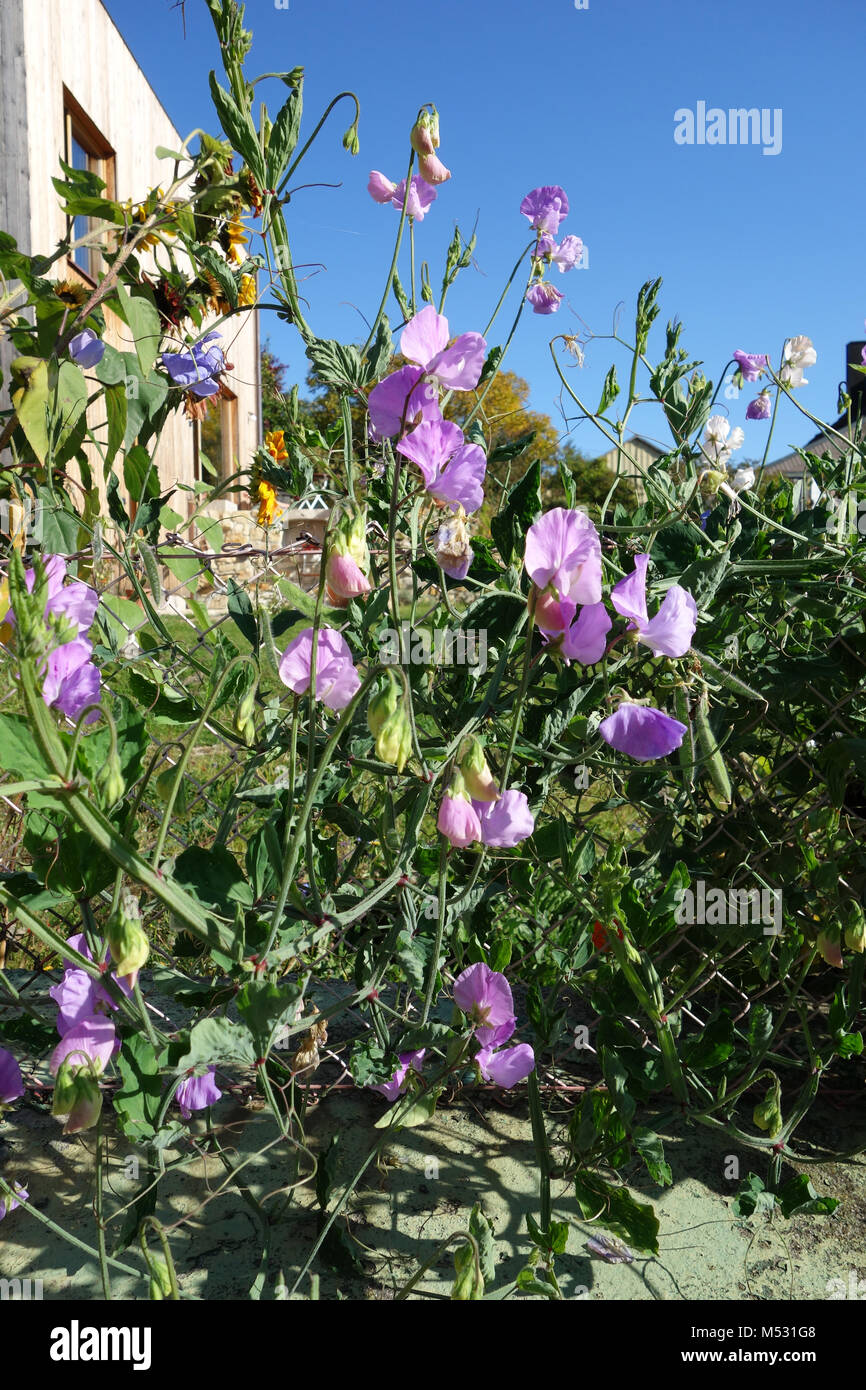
x=197, y=1092
x=506, y=1067
x=395, y=1087
x=751, y=364
x=760, y=407
x=400, y=402
x=641, y=732
x=79, y=996
x=544, y=297
x=453, y=470
x=94, y=1037
x=671, y=631
x=11, y=1081
x=545, y=208
x=586, y=639
x=458, y=820
x=563, y=560
x=425, y=340
x=421, y=195
x=86, y=349
x=506, y=821
x=484, y=995
x=380, y=188
x=8, y=1204
x=75, y=601
x=71, y=681
x=336, y=677
x=567, y=254
x=196, y=369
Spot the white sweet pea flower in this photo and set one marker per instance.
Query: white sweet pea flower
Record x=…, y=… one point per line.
x=799, y=354
x=743, y=478
x=720, y=441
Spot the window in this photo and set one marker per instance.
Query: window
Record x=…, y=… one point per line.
x=216, y=437
x=86, y=149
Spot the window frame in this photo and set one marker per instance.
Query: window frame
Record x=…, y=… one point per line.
x=78, y=126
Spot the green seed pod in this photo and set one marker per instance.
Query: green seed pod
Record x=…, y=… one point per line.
x=686, y=752
x=714, y=764
x=126, y=938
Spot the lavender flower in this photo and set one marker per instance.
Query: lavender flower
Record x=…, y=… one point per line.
x=11, y=1081
x=752, y=365
x=453, y=470
x=409, y=1061
x=506, y=821
x=641, y=732
x=336, y=677
x=759, y=408
x=197, y=1092
x=544, y=297
x=670, y=632
x=563, y=560
x=545, y=208
x=197, y=370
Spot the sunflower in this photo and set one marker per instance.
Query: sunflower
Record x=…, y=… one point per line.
x=234, y=240
x=71, y=292
x=217, y=302
x=276, y=445
x=268, y=509
x=247, y=293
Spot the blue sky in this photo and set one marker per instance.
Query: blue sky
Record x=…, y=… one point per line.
x=753, y=247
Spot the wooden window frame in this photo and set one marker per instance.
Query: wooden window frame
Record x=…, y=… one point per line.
x=100, y=160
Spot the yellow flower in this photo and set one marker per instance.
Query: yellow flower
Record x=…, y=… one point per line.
x=237, y=241
x=217, y=303
x=276, y=445
x=247, y=292
x=71, y=292
x=268, y=509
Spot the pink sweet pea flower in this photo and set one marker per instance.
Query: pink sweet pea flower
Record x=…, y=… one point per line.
x=380, y=188
x=641, y=732
x=197, y=1092
x=336, y=678
x=400, y=402
x=421, y=195
x=545, y=208
x=79, y=997
x=395, y=1087
x=458, y=820
x=432, y=168
x=94, y=1038
x=71, y=681
x=453, y=470
x=11, y=1080
x=425, y=340
x=544, y=297
x=506, y=821
x=563, y=560
x=671, y=631
x=345, y=580
x=506, y=1067
x=484, y=995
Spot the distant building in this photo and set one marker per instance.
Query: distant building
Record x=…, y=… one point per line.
x=70, y=88
x=637, y=457
x=792, y=465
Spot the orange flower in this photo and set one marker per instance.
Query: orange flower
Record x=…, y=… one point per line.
x=276, y=445
x=268, y=509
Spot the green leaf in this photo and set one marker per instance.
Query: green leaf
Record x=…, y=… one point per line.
x=609, y=391
x=752, y=1196
x=241, y=611
x=335, y=365
x=214, y=1041
x=284, y=136
x=214, y=878
x=115, y=406
x=139, y=313
x=651, y=1149
x=138, y=1100
x=712, y=1046
x=219, y=270
x=616, y=1210
x=266, y=1008
x=797, y=1197
x=239, y=129
x=482, y=1229
x=31, y=404
x=156, y=700
x=140, y=474
x=19, y=752
x=409, y=1112
x=522, y=507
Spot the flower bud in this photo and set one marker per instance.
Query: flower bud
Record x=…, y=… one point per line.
x=768, y=1114
x=351, y=141
x=77, y=1097
x=389, y=724
x=347, y=573
x=126, y=939
x=244, y=722
x=855, y=931
x=424, y=136
x=830, y=947
x=711, y=480
x=476, y=774
x=432, y=169
x=109, y=780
